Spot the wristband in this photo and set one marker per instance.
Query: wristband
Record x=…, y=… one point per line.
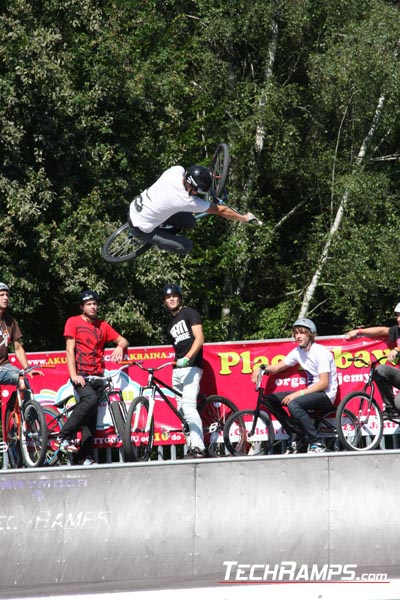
x=301, y=393
x=359, y=331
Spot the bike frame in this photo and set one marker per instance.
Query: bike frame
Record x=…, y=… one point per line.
x=153, y=385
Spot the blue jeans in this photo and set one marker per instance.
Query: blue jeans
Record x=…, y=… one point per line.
x=9, y=374
x=298, y=411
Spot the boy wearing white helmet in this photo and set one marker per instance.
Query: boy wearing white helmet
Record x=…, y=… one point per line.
x=319, y=369
x=386, y=376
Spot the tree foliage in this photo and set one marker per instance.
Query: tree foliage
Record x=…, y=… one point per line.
x=99, y=96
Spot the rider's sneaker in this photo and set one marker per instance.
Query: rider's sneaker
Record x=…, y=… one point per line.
x=88, y=461
x=196, y=453
x=296, y=446
x=66, y=445
x=316, y=448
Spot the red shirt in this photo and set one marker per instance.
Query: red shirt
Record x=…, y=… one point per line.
x=90, y=339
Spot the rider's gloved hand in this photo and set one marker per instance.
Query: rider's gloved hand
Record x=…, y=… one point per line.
x=183, y=362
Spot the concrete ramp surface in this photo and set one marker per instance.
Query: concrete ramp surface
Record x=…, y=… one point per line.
x=190, y=524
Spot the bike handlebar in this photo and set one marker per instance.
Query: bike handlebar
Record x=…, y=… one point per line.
x=369, y=363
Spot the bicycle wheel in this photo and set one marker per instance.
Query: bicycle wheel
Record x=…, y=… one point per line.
x=214, y=411
x=238, y=438
x=122, y=246
x=138, y=436
x=11, y=434
x=359, y=422
x=117, y=408
x=54, y=422
x=33, y=435
x=219, y=169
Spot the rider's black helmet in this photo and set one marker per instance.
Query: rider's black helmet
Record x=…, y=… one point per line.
x=89, y=295
x=199, y=178
x=171, y=288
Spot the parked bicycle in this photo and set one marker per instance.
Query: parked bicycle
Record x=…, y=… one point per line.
x=139, y=431
x=365, y=432
x=24, y=428
x=122, y=245
x=251, y=432
x=57, y=414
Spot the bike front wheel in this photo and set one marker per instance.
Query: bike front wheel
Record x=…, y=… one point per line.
x=33, y=435
x=245, y=436
x=214, y=412
x=138, y=436
x=359, y=422
x=122, y=246
x=219, y=169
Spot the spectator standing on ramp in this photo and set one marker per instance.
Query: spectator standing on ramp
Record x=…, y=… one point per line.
x=386, y=376
x=10, y=333
x=185, y=331
x=86, y=336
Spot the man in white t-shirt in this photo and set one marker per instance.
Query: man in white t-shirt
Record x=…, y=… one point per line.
x=319, y=369
x=172, y=200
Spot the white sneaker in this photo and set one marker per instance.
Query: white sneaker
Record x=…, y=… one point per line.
x=316, y=448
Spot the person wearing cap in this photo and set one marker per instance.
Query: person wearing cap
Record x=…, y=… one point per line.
x=185, y=331
x=386, y=376
x=10, y=333
x=86, y=337
x=320, y=373
x=172, y=200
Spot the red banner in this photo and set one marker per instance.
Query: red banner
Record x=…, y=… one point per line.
x=227, y=370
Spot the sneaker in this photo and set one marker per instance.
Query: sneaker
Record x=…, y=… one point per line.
x=66, y=445
x=296, y=447
x=316, y=448
x=196, y=453
x=88, y=461
x=291, y=448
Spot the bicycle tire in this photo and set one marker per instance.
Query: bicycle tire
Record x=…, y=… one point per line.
x=122, y=246
x=214, y=411
x=54, y=422
x=117, y=416
x=236, y=434
x=219, y=169
x=33, y=434
x=365, y=429
x=138, y=437
x=12, y=425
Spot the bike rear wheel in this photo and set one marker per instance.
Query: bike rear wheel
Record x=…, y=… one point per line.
x=138, y=437
x=122, y=246
x=238, y=436
x=214, y=412
x=219, y=169
x=359, y=422
x=33, y=435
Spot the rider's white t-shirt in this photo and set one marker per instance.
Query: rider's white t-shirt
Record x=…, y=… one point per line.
x=166, y=197
x=317, y=360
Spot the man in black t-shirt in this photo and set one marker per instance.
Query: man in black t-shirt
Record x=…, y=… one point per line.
x=186, y=334
x=386, y=376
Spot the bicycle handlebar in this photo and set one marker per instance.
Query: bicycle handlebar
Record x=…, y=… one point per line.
x=110, y=375
x=369, y=363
